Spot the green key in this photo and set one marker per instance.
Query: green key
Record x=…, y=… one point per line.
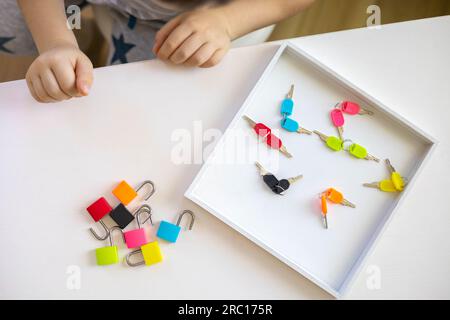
x=358, y=151
x=334, y=143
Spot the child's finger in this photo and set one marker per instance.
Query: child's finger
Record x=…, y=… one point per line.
x=65, y=75
x=32, y=91
x=215, y=59
x=52, y=87
x=40, y=91
x=84, y=75
x=201, y=55
x=187, y=49
x=173, y=41
x=164, y=32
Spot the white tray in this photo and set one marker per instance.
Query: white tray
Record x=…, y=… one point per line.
x=290, y=226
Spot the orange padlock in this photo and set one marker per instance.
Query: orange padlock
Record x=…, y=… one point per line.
x=125, y=193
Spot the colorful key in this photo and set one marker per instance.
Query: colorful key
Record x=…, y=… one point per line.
x=275, y=143
x=277, y=186
x=360, y=152
x=353, y=108
x=337, y=117
x=291, y=125
x=287, y=105
x=260, y=128
x=323, y=201
x=337, y=197
x=284, y=184
x=334, y=143
x=396, y=178
x=384, y=185
x=269, y=179
x=271, y=140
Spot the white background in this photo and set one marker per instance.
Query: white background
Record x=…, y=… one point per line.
x=56, y=159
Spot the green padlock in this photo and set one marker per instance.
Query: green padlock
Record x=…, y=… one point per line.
x=334, y=143
x=358, y=151
x=108, y=255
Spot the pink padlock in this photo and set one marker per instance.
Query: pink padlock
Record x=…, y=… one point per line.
x=137, y=238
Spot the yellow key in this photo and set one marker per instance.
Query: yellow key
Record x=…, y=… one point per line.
x=384, y=185
x=396, y=178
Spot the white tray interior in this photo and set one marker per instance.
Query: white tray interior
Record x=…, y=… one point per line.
x=290, y=226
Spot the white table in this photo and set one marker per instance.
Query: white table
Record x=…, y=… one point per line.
x=56, y=159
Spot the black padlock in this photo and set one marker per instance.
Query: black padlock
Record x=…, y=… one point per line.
x=122, y=216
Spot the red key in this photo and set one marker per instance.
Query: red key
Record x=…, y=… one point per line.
x=353, y=108
x=262, y=130
x=272, y=141
x=275, y=143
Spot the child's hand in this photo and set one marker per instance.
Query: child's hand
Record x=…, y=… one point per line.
x=196, y=38
x=60, y=74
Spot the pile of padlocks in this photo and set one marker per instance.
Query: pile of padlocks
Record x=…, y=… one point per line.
x=396, y=183
x=137, y=238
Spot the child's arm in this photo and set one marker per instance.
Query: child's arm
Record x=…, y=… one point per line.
x=202, y=37
x=62, y=70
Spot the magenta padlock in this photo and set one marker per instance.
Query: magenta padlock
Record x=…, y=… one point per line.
x=137, y=238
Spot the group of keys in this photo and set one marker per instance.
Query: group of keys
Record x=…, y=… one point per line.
x=396, y=182
x=136, y=238
x=332, y=142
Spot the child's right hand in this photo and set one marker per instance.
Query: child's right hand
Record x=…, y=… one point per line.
x=59, y=74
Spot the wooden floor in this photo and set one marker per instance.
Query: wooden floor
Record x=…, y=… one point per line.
x=323, y=16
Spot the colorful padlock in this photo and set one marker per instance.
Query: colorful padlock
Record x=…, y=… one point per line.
x=98, y=210
x=125, y=193
x=110, y=254
x=123, y=217
x=169, y=231
x=151, y=254
x=136, y=238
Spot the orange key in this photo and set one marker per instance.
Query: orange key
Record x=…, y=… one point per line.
x=335, y=196
x=324, y=210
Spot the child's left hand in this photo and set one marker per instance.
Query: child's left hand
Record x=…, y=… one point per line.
x=196, y=38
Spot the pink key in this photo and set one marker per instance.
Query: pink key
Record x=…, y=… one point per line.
x=337, y=117
x=350, y=107
x=353, y=108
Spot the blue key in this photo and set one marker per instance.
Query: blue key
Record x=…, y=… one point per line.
x=286, y=107
x=292, y=126
x=289, y=125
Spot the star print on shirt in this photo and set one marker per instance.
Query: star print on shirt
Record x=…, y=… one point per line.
x=3, y=41
x=121, y=49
